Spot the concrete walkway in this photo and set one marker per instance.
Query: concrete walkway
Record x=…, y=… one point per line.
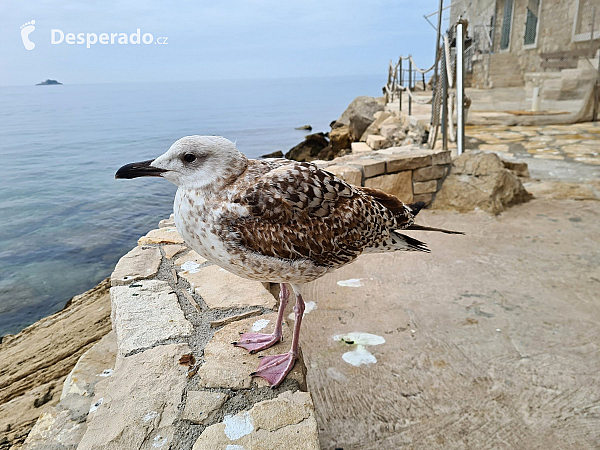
x=491, y=341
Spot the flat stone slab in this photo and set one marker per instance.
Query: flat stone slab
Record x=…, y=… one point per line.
x=145, y=313
x=161, y=236
x=227, y=366
x=172, y=250
x=223, y=290
x=201, y=406
x=138, y=264
x=286, y=421
x=349, y=174
x=358, y=147
x=141, y=401
x=55, y=429
x=190, y=261
x=94, y=365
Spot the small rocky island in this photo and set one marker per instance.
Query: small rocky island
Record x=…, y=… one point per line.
x=48, y=82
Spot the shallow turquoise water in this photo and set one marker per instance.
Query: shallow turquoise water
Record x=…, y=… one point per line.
x=65, y=221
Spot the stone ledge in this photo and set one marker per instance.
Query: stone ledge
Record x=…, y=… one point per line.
x=154, y=399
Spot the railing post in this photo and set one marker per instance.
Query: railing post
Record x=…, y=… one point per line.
x=444, y=75
x=460, y=86
x=409, y=84
x=401, y=84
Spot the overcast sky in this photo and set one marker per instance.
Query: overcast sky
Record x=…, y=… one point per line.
x=227, y=39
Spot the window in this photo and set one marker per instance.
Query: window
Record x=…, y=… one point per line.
x=587, y=20
x=531, y=25
x=506, y=24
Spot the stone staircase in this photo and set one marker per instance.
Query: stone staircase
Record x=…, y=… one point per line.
x=567, y=84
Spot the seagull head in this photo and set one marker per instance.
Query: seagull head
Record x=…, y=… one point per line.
x=193, y=162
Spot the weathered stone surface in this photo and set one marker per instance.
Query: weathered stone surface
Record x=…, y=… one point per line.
x=141, y=402
x=428, y=173
x=93, y=366
x=308, y=149
x=441, y=158
x=172, y=250
x=398, y=159
x=145, y=313
x=358, y=147
x=161, y=236
x=479, y=180
x=398, y=184
x=55, y=430
x=190, y=262
x=201, y=406
x=340, y=138
x=520, y=169
x=427, y=198
x=286, y=422
x=380, y=117
x=35, y=362
x=166, y=223
x=425, y=187
x=138, y=264
x=349, y=174
x=377, y=142
x=476, y=163
x=360, y=114
x=235, y=317
x=370, y=167
x=227, y=366
x=214, y=285
x=394, y=132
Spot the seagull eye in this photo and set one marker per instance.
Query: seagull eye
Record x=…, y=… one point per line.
x=188, y=157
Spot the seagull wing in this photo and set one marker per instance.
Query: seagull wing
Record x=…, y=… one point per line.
x=298, y=211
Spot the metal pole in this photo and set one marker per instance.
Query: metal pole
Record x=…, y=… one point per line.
x=444, y=103
x=401, y=84
x=423, y=75
x=435, y=69
x=596, y=85
x=409, y=84
x=460, y=87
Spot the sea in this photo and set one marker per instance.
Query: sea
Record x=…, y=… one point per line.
x=65, y=221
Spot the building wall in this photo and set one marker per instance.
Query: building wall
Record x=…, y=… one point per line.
x=555, y=34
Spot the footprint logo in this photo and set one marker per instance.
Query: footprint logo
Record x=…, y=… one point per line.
x=26, y=30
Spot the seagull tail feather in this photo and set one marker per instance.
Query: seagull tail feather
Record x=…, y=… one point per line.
x=415, y=226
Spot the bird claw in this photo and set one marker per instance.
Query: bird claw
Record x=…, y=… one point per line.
x=255, y=342
x=274, y=368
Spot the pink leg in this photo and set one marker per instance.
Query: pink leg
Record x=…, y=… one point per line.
x=275, y=368
x=255, y=342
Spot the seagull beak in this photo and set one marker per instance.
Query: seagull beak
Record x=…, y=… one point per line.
x=139, y=169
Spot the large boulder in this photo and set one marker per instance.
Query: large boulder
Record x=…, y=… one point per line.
x=480, y=180
x=309, y=149
x=360, y=114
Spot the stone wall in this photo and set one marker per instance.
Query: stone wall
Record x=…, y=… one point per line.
x=168, y=375
x=411, y=173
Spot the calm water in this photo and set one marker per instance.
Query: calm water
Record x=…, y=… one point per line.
x=65, y=221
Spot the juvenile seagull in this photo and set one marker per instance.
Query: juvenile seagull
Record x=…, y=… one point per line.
x=275, y=220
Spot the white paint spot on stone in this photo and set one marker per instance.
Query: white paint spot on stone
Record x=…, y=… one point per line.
x=234, y=447
x=238, y=426
x=308, y=307
x=360, y=338
x=96, y=405
x=159, y=441
x=105, y=373
x=172, y=230
x=151, y=415
x=352, y=282
x=191, y=267
x=359, y=356
x=260, y=324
